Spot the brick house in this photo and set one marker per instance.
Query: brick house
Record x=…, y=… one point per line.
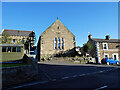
x=104, y=48
x=18, y=37
x=57, y=38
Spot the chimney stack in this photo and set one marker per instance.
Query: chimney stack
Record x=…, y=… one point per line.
x=107, y=37
x=90, y=37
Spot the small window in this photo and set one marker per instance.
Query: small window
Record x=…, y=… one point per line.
x=18, y=49
x=105, y=46
x=13, y=49
x=106, y=55
x=58, y=27
x=13, y=40
x=115, y=57
x=3, y=49
x=9, y=49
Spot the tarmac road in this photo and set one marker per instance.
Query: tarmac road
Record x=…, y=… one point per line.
x=76, y=76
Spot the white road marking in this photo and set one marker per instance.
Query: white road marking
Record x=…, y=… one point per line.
x=101, y=71
x=30, y=84
x=82, y=75
x=101, y=87
x=43, y=82
x=65, y=77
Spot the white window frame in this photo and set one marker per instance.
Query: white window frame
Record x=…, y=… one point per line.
x=106, y=54
x=13, y=40
x=116, y=55
x=106, y=46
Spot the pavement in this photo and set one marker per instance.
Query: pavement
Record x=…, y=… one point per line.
x=75, y=76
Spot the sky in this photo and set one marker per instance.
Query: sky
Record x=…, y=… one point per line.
x=98, y=18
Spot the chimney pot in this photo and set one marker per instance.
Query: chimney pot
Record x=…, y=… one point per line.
x=90, y=36
x=107, y=37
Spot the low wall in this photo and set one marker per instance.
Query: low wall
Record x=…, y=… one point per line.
x=67, y=60
x=19, y=74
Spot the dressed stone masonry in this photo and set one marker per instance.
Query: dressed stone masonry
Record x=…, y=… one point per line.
x=57, y=38
x=103, y=48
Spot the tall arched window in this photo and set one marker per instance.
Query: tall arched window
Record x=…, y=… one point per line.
x=55, y=43
x=62, y=43
x=58, y=43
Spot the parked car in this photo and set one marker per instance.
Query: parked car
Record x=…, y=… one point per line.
x=110, y=61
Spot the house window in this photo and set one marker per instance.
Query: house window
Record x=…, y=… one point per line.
x=106, y=55
x=62, y=45
x=3, y=49
x=13, y=40
x=105, y=47
x=9, y=49
x=18, y=49
x=55, y=43
x=58, y=27
x=13, y=49
x=115, y=56
x=58, y=43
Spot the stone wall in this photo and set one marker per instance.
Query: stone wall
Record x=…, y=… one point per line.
x=19, y=74
x=79, y=60
x=47, y=39
x=110, y=45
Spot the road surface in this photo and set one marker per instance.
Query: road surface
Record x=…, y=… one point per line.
x=76, y=76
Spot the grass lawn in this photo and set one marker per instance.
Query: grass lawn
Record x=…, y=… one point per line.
x=13, y=64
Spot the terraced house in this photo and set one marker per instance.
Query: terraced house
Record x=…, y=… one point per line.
x=104, y=48
x=57, y=38
x=18, y=37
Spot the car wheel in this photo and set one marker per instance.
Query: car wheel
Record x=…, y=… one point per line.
x=117, y=63
x=108, y=63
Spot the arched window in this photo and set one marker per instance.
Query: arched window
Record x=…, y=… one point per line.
x=58, y=27
x=58, y=43
x=55, y=43
x=62, y=43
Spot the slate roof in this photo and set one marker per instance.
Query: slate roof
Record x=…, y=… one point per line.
x=104, y=40
x=16, y=32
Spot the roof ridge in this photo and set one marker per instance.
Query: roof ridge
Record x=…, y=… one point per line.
x=105, y=39
x=16, y=30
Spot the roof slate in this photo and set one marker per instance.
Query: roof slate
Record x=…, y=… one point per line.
x=17, y=32
x=104, y=40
